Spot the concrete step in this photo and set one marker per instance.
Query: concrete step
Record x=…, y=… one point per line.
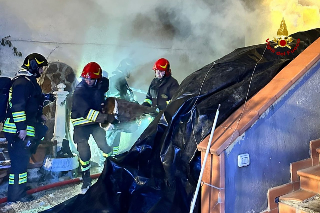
x=298, y=165
x=300, y=201
x=310, y=179
x=299, y=195
x=286, y=208
x=292, y=202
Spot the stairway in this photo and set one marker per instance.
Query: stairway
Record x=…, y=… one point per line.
x=302, y=194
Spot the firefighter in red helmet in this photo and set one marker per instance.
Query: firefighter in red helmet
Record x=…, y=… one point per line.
x=162, y=87
x=86, y=115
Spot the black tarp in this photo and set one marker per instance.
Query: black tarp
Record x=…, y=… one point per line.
x=156, y=175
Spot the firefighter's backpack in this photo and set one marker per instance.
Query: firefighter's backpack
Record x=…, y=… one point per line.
x=5, y=84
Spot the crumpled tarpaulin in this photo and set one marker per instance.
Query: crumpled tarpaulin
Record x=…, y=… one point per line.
x=157, y=175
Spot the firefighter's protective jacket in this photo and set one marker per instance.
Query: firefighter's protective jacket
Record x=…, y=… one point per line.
x=25, y=105
x=161, y=91
x=86, y=104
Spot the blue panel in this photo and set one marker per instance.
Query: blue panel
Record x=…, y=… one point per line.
x=280, y=136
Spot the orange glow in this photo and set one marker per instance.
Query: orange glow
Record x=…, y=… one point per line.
x=299, y=15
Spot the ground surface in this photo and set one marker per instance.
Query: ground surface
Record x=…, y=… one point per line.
x=49, y=198
x=42, y=200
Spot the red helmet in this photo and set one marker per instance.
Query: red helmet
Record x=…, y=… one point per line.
x=92, y=71
x=163, y=65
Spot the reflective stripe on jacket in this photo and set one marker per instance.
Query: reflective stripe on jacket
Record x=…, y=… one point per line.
x=86, y=102
x=25, y=105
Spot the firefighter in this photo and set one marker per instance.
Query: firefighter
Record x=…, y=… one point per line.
x=88, y=97
x=162, y=87
x=119, y=87
x=21, y=125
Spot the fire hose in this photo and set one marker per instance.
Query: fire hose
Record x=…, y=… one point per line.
x=53, y=185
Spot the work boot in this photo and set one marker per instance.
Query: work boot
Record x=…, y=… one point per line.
x=16, y=192
x=65, y=151
x=86, y=181
x=27, y=198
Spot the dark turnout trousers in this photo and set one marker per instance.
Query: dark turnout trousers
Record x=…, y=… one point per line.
x=81, y=136
x=19, y=157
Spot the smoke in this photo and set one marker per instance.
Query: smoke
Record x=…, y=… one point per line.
x=299, y=15
x=190, y=34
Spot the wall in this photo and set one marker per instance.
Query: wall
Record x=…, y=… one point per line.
x=280, y=136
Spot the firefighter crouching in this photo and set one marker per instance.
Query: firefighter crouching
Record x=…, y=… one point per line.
x=23, y=123
x=88, y=96
x=162, y=87
x=119, y=88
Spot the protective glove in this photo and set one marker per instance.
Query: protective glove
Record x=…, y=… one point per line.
x=106, y=118
x=31, y=144
x=111, y=119
x=155, y=111
x=116, y=120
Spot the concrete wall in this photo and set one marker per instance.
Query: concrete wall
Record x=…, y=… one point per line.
x=279, y=137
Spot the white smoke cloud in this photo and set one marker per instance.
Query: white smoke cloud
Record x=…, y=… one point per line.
x=189, y=33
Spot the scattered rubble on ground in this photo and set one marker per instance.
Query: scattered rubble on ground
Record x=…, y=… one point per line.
x=42, y=200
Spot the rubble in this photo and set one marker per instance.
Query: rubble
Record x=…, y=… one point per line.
x=43, y=200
